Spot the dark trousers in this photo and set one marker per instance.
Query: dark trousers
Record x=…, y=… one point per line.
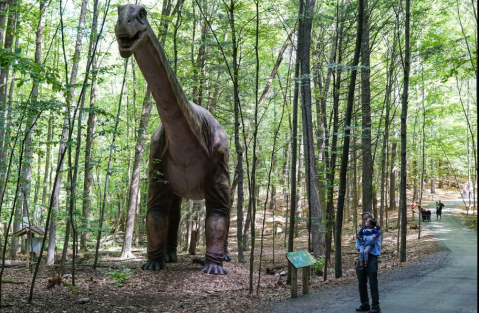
x=369, y=273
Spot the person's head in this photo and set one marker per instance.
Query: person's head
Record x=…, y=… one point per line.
x=439, y=201
x=366, y=216
x=370, y=223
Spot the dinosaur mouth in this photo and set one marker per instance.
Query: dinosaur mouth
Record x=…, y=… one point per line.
x=129, y=43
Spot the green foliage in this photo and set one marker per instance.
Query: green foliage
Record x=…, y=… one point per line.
x=318, y=267
x=120, y=276
x=36, y=72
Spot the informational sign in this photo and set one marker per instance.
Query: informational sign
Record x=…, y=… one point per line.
x=300, y=258
x=35, y=245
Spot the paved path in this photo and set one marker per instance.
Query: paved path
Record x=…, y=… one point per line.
x=450, y=287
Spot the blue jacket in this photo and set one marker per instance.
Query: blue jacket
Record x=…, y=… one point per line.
x=370, y=240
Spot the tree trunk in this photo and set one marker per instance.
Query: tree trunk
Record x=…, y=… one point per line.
x=4, y=74
x=135, y=177
x=239, y=149
x=332, y=165
x=294, y=147
x=65, y=132
x=392, y=177
x=26, y=171
x=387, y=99
x=345, y=156
x=194, y=236
x=90, y=131
x=317, y=236
x=367, y=164
x=403, y=203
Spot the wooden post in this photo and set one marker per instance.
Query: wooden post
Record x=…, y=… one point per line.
x=306, y=279
x=294, y=282
x=28, y=250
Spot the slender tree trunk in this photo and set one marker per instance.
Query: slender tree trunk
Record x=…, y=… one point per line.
x=239, y=149
x=345, y=156
x=194, y=236
x=387, y=100
x=332, y=166
x=26, y=172
x=135, y=179
x=392, y=177
x=355, y=184
x=317, y=235
x=66, y=127
x=4, y=75
x=403, y=203
x=90, y=131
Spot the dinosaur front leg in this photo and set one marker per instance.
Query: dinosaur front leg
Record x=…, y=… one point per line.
x=173, y=225
x=162, y=208
x=217, y=199
x=156, y=233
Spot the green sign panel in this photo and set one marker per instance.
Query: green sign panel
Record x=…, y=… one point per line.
x=301, y=258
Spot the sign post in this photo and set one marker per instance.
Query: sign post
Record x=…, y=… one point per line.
x=300, y=259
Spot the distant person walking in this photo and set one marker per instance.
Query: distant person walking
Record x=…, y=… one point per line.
x=439, y=208
x=369, y=273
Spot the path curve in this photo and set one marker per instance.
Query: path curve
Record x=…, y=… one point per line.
x=444, y=282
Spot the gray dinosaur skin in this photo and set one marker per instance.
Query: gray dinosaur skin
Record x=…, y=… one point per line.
x=188, y=155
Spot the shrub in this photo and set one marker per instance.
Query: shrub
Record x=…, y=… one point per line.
x=120, y=277
x=318, y=266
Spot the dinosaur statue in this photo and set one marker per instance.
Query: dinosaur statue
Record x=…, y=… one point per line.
x=188, y=154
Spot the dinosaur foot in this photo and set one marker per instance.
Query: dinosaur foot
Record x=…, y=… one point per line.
x=154, y=266
x=227, y=257
x=171, y=257
x=214, y=269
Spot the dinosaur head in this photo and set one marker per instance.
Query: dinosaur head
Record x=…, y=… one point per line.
x=131, y=28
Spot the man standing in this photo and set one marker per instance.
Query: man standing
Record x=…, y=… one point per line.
x=440, y=206
x=369, y=274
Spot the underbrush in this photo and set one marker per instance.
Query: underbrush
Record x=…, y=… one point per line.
x=470, y=221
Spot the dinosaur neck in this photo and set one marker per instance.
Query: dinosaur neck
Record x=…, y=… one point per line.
x=177, y=114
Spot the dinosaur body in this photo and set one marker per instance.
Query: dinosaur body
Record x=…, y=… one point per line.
x=188, y=154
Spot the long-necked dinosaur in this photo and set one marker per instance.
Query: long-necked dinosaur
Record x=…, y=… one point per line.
x=188, y=155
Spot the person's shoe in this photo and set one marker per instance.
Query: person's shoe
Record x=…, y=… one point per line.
x=375, y=310
x=363, y=308
x=360, y=268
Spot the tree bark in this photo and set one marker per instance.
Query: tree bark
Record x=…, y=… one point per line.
x=345, y=156
x=90, y=131
x=389, y=82
x=317, y=236
x=26, y=172
x=239, y=149
x=135, y=177
x=392, y=177
x=294, y=147
x=194, y=236
x=403, y=202
x=332, y=165
x=65, y=132
x=367, y=164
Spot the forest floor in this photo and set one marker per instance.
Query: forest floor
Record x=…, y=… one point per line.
x=183, y=288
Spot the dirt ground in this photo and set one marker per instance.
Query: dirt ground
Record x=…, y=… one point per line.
x=183, y=288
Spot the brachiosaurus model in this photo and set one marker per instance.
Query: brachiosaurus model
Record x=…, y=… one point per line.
x=188, y=155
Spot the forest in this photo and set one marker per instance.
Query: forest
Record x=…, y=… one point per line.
x=331, y=108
